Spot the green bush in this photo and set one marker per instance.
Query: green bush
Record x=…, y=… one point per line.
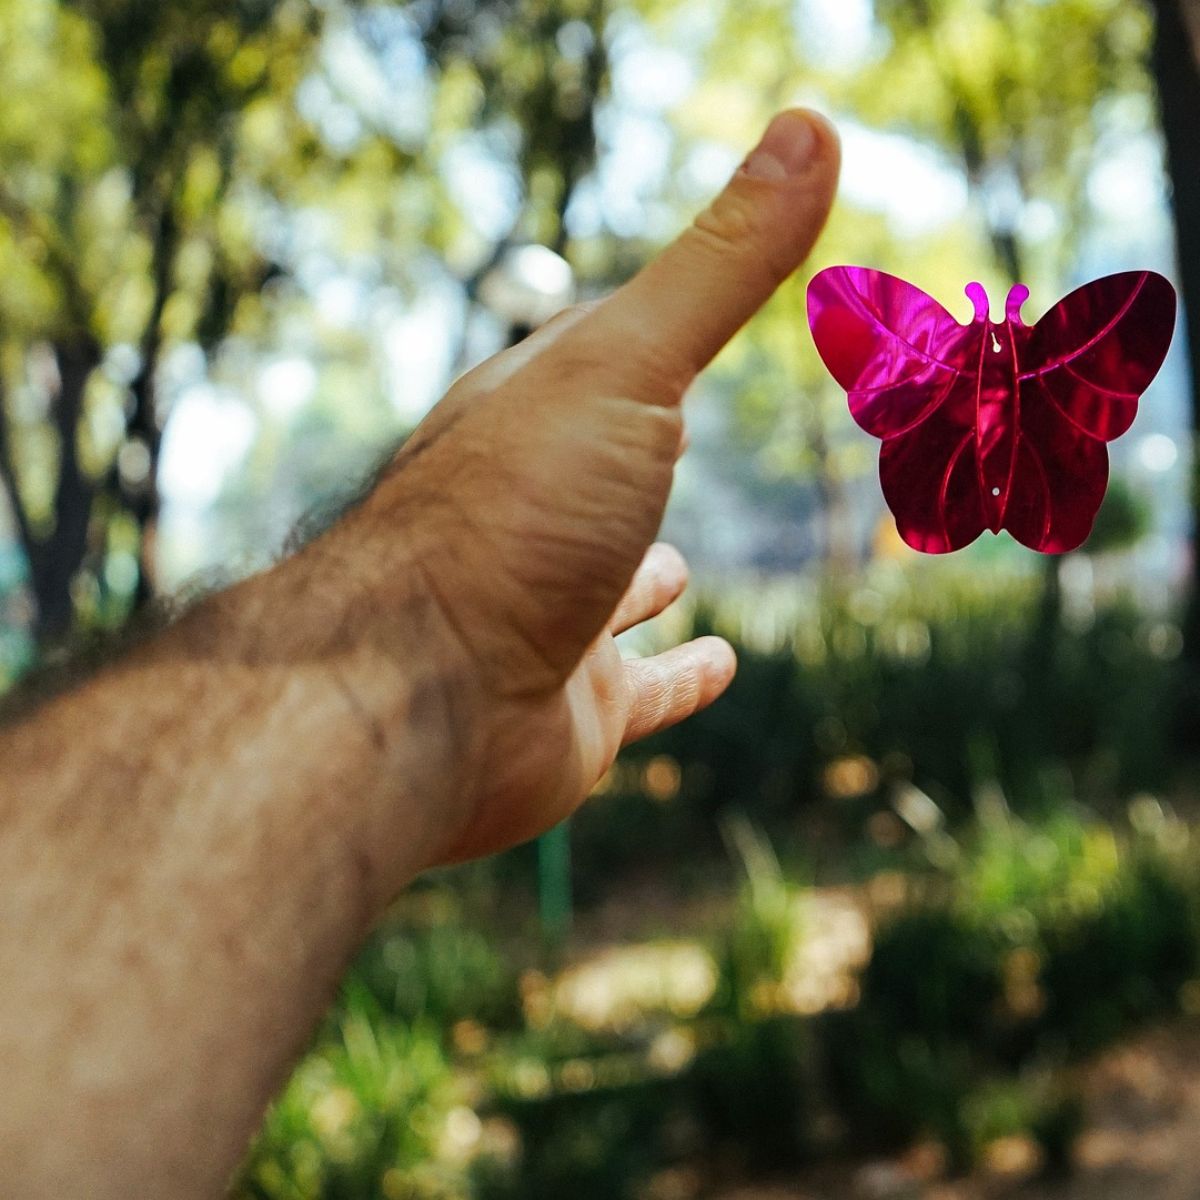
x=904, y=1062
x=363, y=1116
x=596, y=1143
x=765, y=927
x=1032, y=945
x=1122, y=963
x=1041, y=944
x=439, y=974
x=755, y=1093
x=923, y=678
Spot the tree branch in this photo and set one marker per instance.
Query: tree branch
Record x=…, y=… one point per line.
x=59, y=257
x=8, y=477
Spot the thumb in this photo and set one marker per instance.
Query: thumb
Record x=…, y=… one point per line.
x=686, y=304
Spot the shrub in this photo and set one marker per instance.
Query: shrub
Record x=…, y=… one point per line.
x=1122, y=963
x=364, y=1115
x=596, y=1143
x=755, y=1092
x=1042, y=944
x=439, y=974
x=765, y=928
x=904, y=1062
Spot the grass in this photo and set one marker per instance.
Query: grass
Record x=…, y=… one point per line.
x=1034, y=946
x=923, y=739
x=919, y=735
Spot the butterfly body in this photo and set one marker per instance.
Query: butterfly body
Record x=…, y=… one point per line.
x=997, y=412
x=991, y=425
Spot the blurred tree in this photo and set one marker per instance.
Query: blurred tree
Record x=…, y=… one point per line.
x=493, y=106
x=1020, y=91
x=1176, y=62
x=118, y=148
x=133, y=207
x=540, y=70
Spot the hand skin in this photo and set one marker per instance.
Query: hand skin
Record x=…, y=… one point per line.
x=194, y=842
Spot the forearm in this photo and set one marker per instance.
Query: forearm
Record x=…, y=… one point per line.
x=191, y=846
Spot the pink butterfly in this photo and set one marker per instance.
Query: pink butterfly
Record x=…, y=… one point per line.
x=986, y=425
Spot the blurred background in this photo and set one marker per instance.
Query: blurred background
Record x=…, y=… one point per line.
x=913, y=911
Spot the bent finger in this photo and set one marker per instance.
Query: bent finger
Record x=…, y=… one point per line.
x=671, y=686
x=658, y=581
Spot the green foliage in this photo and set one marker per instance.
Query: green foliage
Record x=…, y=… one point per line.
x=924, y=677
x=1041, y=945
x=187, y=180
x=364, y=1115
x=755, y=1093
x=596, y=1144
x=1031, y=946
x=765, y=929
x=1021, y=91
x=439, y=974
x=174, y=180
x=1123, y=962
x=904, y=1062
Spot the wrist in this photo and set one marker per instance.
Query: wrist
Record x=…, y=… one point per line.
x=391, y=688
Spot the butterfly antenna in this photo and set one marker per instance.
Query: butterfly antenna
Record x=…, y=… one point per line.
x=1017, y=296
x=979, y=298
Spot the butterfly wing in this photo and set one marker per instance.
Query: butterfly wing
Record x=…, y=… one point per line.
x=1059, y=479
x=893, y=348
x=1096, y=351
x=907, y=367
x=1083, y=368
x=930, y=477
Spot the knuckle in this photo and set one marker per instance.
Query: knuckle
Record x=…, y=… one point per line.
x=666, y=573
x=734, y=228
x=726, y=225
x=657, y=428
x=580, y=355
x=630, y=357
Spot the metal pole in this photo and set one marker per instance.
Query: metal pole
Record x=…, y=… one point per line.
x=554, y=883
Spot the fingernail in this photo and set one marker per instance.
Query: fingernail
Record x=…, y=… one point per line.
x=786, y=147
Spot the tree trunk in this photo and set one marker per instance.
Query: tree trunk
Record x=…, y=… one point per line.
x=1176, y=63
x=55, y=560
x=140, y=496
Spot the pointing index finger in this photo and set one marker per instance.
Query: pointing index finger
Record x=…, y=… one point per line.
x=680, y=309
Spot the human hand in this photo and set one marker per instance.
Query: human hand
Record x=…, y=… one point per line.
x=527, y=500
x=196, y=838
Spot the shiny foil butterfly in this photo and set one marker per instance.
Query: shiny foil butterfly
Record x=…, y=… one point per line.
x=992, y=425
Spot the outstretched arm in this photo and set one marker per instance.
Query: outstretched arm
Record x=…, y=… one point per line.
x=193, y=843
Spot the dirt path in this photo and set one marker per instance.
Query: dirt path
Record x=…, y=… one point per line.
x=1142, y=1101
x=1142, y=1142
